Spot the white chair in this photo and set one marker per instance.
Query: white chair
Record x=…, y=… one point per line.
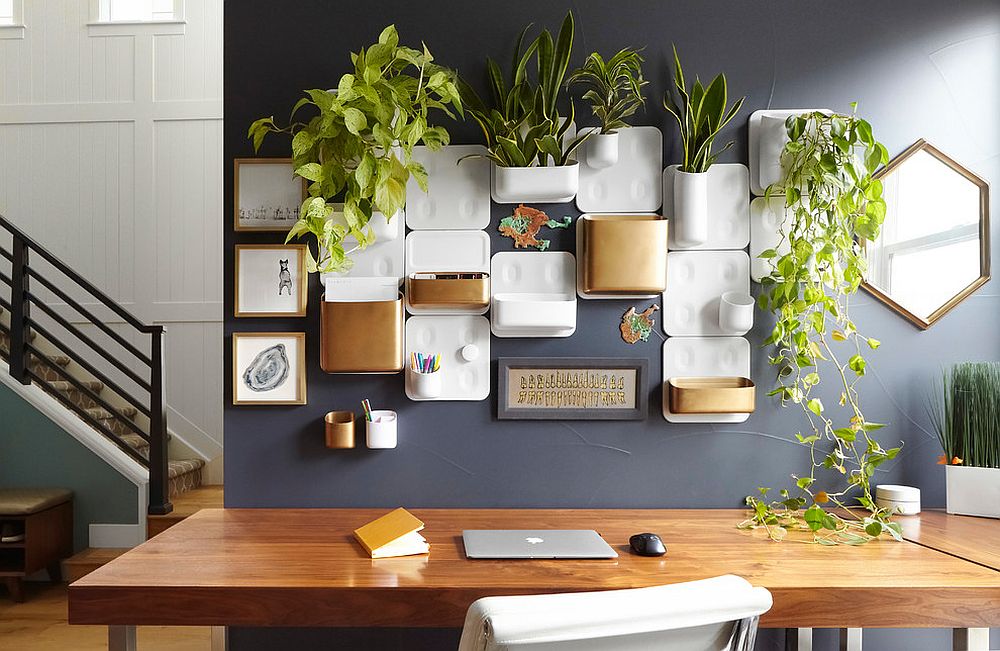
x=718, y=614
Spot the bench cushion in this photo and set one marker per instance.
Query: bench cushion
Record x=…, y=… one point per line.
x=25, y=501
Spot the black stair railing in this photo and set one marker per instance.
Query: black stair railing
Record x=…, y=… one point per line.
x=22, y=300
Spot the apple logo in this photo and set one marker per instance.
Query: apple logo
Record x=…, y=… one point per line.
x=534, y=540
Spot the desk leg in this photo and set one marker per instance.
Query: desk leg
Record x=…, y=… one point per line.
x=121, y=638
x=218, y=638
x=971, y=639
x=850, y=639
x=798, y=639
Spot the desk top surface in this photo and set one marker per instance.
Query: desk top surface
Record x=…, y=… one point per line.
x=250, y=554
x=974, y=539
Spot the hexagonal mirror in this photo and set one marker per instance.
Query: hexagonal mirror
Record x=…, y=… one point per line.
x=934, y=249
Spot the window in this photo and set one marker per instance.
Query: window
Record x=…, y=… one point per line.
x=138, y=11
x=6, y=12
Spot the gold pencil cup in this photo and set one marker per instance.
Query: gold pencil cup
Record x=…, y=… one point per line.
x=622, y=254
x=710, y=395
x=339, y=430
x=361, y=337
x=450, y=290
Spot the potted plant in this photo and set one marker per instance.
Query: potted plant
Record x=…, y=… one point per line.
x=967, y=420
x=614, y=90
x=701, y=114
x=357, y=146
x=527, y=139
x=831, y=200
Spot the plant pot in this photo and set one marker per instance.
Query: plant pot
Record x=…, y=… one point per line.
x=602, y=150
x=551, y=184
x=690, y=208
x=534, y=315
x=621, y=255
x=736, y=313
x=361, y=336
x=973, y=491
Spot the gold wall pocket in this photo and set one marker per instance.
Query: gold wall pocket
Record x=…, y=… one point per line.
x=339, y=426
x=621, y=255
x=710, y=395
x=361, y=336
x=933, y=250
x=452, y=290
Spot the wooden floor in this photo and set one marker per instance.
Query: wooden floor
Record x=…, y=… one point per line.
x=39, y=624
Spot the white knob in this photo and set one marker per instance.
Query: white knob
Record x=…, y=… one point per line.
x=470, y=353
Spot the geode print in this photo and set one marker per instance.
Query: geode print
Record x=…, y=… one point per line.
x=268, y=370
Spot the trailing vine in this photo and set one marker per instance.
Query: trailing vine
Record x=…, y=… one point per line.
x=831, y=199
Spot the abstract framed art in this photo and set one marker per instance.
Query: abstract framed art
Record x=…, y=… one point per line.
x=269, y=368
x=271, y=280
x=267, y=194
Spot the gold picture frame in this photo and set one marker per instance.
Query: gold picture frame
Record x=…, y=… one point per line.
x=272, y=228
x=297, y=363
x=298, y=281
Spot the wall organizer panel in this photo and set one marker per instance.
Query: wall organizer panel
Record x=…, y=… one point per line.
x=621, y=256
x=534, y=294
x=704, y=357
x=630, y=185
x=458, y=194
x=457, y=252
x=767, y=137
x=728, y=207
x=696, y=281
x=464, y=345
x=766, y=217
x=384, y=258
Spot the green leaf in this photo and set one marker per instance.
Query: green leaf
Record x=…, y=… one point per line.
x=419, y=173
x=804, y=482
x=355, y=120
x=814, y=517
x=873, y=528
x=302, y=143
x=365, y=171
x=310, y=171
x=857, y=364
x=874, y=343
x=845, y=434
x=815, y=405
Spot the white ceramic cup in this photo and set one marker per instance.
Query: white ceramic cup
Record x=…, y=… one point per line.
x=425, y=385
x=736, y=313
x=690, y=222
x=602, y=150
x=380, y=431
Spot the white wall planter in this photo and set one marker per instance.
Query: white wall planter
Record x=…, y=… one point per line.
x=551, y=184
x=534, y=315
x=767, y=138
x=534, y=294
x=602, y=150
x=690, y=227
x=973, y=491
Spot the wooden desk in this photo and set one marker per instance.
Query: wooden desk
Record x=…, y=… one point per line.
x=970, y=538
x=250, y=567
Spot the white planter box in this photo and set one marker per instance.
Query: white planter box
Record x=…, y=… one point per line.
x=973, y=491
x=534, y=315
x=552, y=184
x=602, y=150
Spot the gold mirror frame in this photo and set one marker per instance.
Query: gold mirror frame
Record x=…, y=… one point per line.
x=984, y=236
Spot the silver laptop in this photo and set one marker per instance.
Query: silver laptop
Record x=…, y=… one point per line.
x=535, y=543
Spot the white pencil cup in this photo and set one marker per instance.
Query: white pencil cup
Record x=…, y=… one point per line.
x=736, y=313
x=380, y=431
x=424, y=385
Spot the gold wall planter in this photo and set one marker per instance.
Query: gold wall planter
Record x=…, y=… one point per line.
x=710, y=395
x=622, y=255
x=339, y=429
x=449, y=289
x=361, y=337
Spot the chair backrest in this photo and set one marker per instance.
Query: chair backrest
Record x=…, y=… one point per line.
x=718, y=614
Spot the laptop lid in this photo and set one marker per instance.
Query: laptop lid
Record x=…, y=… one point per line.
x=535, y=543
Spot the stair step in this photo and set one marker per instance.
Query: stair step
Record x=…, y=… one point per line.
x=83, y=563
x=184, y=475
x=66, y=387
x=137, y=443
x=98, y=413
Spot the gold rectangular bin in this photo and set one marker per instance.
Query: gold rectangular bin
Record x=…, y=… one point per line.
x=622, y=254
x=710, y=395
x=339, y=429
x=449, y=289
x=361, y=337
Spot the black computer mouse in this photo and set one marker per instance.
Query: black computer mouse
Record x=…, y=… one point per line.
x=647, y=544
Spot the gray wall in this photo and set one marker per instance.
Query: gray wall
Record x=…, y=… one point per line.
x=35, y=452
x=785, y=54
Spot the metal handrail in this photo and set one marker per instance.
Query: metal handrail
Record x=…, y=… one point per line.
x=22, y=352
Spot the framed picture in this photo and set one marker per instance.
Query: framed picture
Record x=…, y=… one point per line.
x=572, y=388
x=268, y=195
x=269, y=368
x=271, y=280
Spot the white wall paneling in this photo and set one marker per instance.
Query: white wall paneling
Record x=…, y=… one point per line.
x=111, y=157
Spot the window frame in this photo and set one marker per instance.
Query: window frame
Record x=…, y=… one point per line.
x=15, y=28
x=100, y=26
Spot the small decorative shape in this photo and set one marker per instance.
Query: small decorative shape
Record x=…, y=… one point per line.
x=268, y=370
x=638, y=326
x=524, y=225
x=470, y=352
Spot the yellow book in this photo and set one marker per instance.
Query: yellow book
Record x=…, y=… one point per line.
x=394, y=534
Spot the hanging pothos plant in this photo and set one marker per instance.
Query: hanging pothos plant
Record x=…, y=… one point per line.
x=358, y=146
x=831, y=200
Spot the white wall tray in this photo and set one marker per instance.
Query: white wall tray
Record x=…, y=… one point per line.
x=632, y=183
x=766, y=218
x=704, y=357
x=464, y=345
x=728, y=209
x=384, y=258
x=696, y=281
x=447, y=251
x=458, y=194
x=767, y=138
x=550, y=184
x=534, y=294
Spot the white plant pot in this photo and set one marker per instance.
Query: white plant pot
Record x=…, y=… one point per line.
x=690, y=222
x=552, y=184
x=736, y=313
x=773, y=138
x=973, y=491
x=535, y=315
x=602, y=150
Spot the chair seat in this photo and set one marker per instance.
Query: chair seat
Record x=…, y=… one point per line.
x=25, y=501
